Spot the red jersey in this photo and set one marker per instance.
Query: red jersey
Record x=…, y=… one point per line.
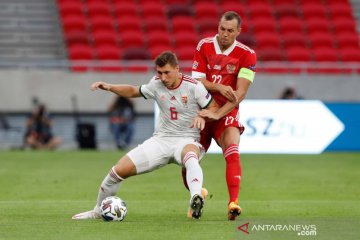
x=221, y=67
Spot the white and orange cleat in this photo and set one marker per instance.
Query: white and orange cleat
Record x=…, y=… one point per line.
x=204, y=194
x=234, y=210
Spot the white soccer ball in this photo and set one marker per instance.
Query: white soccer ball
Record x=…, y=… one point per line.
x=113, y=209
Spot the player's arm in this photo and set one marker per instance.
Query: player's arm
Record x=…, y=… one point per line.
x=243, y=84
x=128, y=91
x=224, y=90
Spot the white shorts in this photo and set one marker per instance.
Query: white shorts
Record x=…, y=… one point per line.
x=159, y=151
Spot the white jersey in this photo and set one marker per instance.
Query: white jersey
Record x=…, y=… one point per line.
x=178, y=106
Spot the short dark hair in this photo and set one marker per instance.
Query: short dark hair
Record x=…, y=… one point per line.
x=166, y=57
x=230, y=15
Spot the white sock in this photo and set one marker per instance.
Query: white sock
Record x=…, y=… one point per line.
x=109, y=187
x=194, y=174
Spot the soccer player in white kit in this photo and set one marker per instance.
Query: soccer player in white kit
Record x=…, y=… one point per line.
x=176, y=137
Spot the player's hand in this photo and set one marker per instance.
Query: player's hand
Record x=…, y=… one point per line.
x=228, y=92
x=100, y=85
x=198, y=122
x=208, y=114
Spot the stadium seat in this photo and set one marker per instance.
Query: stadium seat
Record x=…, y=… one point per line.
x=186, y=40
x=172, y=2
x=179, y=10
x=100, y=8
x=131, y=39
x=185, y=53
x=104, y=37
x=325, y=55
x=266, y=24
x=298, y=54
x=108, y=52
x=80, y=52
x=71, y=8
x=286, y=10
x=155, y=24
x=344, y=25
x=295, y=40
x=74, y=23
x=281, y=2
x=321, y=40
x=208, y=27
x=205, y=10
x=317, y=25
x=136, y=54
x=247, y=39
x=76, y=37
x=313, y=9
x=339, y=10
x=348, y=40
x=350, y=55
x=271, y=54
x=158, y=38
x=129, y=9
x=152, y=10
x=101, y=22
x=268, y=40
x=237, y=7
x=259, y=9
x=126, y=24
x=291, y=24
x=183, y=24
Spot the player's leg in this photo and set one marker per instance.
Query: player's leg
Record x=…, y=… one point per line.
x=229, y=142
x=110, y=185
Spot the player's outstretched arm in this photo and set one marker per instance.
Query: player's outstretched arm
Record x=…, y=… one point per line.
x=123, y=90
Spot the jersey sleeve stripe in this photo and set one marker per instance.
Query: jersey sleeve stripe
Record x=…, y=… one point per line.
x=141, y=92
x=211, y=99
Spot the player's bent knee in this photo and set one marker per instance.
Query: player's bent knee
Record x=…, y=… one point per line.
x=125, y=167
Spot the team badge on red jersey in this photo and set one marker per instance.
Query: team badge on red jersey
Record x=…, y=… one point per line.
x=230, y=68
x=184, y=99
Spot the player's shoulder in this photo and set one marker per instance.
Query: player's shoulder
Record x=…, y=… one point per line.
x=204, y=42
x=189, y=80
x=243, y=48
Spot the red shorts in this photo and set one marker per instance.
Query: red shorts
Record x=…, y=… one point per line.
x=215, y=129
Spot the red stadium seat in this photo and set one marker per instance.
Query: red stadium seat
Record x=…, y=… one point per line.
x=158, y=38
x=317, y=25
x=131, y=39
x=126, y=24
x=126, y=9
x=136, y=54
x=172, y=2
x=247, y=39
x=152, y=10
x=268, y=40
x=350, y=55
x=237, y=7
x=271, y=54
x=260, y=9
x=102, y=22
x=208, y=26
x=340, y=10
x=74, y=23
x=186, y=40
x=325, y=55
x=286, y=10
x=179, y=10
x=205, y=10
x=80, y=52
x=76, y=37
x=344, y=25
x=313, y=9
x=279, y=2
x=348, y=40
x=185, y=53
x=156, y=50
x=71, y=8
x=156, y=24
x=295, y=40
x=183, y=24
x=105, y=37
x=299, y=54
x=321, y=40
x=108, y=52
x=291, y=24
x=100, y=8
x=260, y=25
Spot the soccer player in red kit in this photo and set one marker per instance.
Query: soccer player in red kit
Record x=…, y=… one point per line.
x=227, y=68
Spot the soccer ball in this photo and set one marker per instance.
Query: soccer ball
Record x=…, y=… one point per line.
x=113, y=209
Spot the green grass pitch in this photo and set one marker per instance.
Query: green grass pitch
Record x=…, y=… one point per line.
x=40, y=191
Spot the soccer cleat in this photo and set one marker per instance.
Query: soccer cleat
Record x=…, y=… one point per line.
x=92, y=214
x=204, y=194
x=234, y=210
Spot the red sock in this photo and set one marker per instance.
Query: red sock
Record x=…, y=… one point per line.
x=233, y=171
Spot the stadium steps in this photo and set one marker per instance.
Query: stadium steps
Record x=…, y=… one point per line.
x=29, y=30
